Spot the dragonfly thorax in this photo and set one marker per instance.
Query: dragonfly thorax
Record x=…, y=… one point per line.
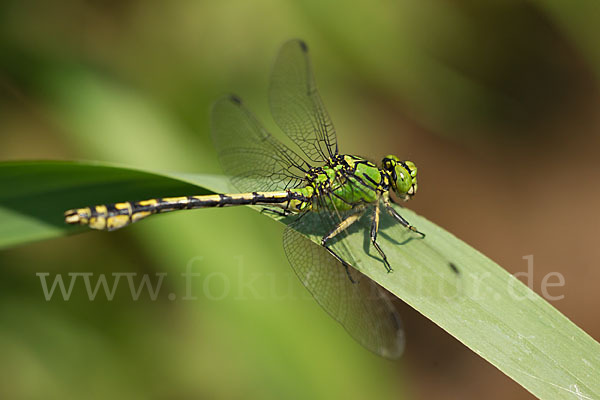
x=345, y=182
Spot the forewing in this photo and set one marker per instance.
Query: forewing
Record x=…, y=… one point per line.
x=250, y=155
x=296, y=105
x=362, y=306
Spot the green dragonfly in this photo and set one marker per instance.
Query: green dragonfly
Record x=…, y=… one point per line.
x=313, y=179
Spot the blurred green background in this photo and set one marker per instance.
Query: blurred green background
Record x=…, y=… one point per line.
x=495, y=101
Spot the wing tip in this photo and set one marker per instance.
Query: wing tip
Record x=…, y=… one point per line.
x=235, y=99
x=454, y=268
x=303, y=45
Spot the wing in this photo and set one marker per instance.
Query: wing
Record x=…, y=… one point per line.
x=296, y=105
x=250, y=155
x=362, y=306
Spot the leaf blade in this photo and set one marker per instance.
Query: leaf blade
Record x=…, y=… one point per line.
x=491, y=312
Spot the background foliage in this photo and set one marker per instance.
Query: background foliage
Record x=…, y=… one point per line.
x=496, y=103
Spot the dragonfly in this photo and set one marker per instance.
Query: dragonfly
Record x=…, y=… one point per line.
x=308, y=179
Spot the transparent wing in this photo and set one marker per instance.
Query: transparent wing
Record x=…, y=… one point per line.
x=250, y=155
x=296, y=105
x=362, y=306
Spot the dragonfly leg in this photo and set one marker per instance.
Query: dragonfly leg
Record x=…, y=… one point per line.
x=399, y=217
x=391, y=199
x=374, y=230
x=281, y=213
x=344, y=263
x=342, y=226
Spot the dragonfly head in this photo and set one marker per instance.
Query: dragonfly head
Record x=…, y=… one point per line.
x=403, y=176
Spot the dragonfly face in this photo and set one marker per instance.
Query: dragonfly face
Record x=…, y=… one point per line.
x=403, y=176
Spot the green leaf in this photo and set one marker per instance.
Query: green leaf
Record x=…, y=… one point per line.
x=35, y=195
x=482, y=305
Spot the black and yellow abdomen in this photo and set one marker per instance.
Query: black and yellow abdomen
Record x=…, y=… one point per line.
x=114, y=216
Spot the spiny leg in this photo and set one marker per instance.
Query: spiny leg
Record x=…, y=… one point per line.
x=399, y=217
x=342, y=226
x=374, y=230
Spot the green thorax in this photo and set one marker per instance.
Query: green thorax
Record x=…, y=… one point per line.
x=347, y=181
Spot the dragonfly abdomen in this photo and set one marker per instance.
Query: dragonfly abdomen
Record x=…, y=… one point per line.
x=114, y=216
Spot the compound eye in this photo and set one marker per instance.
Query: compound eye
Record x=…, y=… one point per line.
x=411, y=168
x=400, y=175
